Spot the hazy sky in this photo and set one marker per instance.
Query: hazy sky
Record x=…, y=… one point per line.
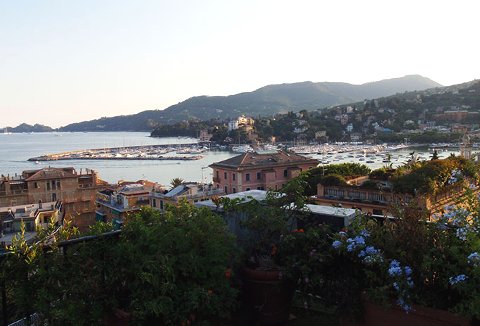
x=64, y=61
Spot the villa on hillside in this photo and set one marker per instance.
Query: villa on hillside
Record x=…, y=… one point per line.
x=253, y=171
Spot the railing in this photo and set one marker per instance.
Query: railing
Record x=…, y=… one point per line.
x=34, y=319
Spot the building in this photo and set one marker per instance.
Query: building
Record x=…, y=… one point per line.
x=252, y=171
x=191, y=192
x=114, y=204
x=381, y=200
x=204, y=135
x=33, y=217
x=241, y=122
x=76, y=191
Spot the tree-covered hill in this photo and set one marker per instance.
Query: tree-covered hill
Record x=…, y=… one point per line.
x=264, y=101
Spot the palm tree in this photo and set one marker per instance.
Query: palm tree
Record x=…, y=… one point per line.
x=176, y=182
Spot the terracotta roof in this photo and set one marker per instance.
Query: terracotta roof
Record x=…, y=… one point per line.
x=264, y=160
x=51, y=173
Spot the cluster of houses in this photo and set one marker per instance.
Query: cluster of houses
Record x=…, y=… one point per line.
x=53, y=195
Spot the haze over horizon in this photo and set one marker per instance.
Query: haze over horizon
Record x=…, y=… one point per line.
x=64, y=62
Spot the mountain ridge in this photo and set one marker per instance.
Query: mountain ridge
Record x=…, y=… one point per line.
x=264, y=101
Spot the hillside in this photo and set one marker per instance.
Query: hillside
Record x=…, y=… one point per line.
x=29, y=128
x=264, y=101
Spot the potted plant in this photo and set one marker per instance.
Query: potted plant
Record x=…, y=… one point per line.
x=268, y=285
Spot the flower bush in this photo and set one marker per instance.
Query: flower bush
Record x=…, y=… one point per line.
x=417, y=260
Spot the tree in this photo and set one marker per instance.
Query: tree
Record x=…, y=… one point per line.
x=176, y=182
x=435, y=155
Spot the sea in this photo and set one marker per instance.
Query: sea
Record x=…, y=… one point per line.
x=17, y=148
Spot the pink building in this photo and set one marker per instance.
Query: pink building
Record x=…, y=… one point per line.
x=251, y=171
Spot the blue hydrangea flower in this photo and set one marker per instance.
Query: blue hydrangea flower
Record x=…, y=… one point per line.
x=406, y=307
x=364, y=233
x=395, y=269
x=351, y=247
x=336, y=244
x=408, y=270
x=457, y=279
x=474, y=258
x=371, y=250
x=462, y=234
x=359, y=240
x=362, y=254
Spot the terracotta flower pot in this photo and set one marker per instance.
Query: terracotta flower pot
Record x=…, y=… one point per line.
x=376, y=315
x=269, y=294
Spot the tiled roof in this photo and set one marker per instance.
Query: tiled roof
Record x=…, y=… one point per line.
x=51, y=173
x=264, y=160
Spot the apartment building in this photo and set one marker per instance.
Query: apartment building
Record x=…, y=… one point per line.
x=253, y=171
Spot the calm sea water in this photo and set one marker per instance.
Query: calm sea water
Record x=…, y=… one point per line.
x=16, y=149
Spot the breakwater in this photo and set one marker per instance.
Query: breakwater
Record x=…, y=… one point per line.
x=177, y=152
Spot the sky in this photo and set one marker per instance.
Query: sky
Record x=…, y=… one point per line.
x=68, y=61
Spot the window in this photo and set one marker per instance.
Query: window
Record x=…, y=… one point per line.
x=334, y=193
x=260, y=188
x=225, y=175
x=234, y=190
x=285, y=173
x=53, y=184
x=218, y=175
x=161, y=204
x=154, y=202
x=247, y=177
x=58, y=184
x=35, y=185
x=233, y=176
x=54, y=197
x=226, y=190
x=248, y=189
x=259, y=176
x=48, y=185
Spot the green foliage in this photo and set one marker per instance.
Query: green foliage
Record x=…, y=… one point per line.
x=431, y=176
x=267, y=222
x=381, y=174
x=175, y=264
x=370, y=184
x=333, y=174
x=163, y=269
x=176, y=182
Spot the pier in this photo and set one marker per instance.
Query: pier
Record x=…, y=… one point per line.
x=147, y=152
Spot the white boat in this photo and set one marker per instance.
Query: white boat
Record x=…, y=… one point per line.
x=242, y=149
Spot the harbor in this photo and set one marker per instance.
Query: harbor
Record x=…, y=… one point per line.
x=177, y=152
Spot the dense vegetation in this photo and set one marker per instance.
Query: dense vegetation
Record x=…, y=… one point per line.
x=428, y=177
x=333, y=175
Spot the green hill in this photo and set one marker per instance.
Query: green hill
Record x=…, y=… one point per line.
x=264, y=101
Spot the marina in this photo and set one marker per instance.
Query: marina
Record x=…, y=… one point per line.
x=16, y=149
x=148, y=152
